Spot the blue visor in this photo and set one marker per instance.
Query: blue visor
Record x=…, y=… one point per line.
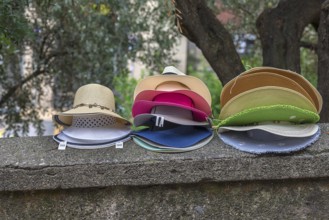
x=262, y=142
x=178, y=137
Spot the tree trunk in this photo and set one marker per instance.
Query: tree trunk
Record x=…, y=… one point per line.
x=281, y=29
x=323, y=55
x=196, y=21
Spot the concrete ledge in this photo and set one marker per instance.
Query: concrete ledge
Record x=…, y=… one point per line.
x=34, y=163
x=281, y=199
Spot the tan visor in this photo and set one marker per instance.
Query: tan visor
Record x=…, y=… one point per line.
x=244, y=83
x=265, y=96
x=309, y=88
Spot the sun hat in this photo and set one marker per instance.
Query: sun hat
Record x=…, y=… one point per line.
x=90, y=99
x=93, y=131
x=260, y=142
x=164, y=149
x=270, y=113
x=160, y=115
x=96, y=128
x=171, y=74
x=179, y=137
x=243, y=83
x=281, y=128
x=193, y=147
x=298, y=78
x=198, y=101
x=265, y=96
x=168, y=99
x=87, y=144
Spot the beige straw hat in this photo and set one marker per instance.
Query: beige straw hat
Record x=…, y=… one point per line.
x=171, y=74
x=246, y=82
x=90, y=99
x=265, y=96
x=308, y=87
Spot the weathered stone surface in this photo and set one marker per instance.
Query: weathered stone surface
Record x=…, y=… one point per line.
x=216, y=182
x=281, y=199
x=35, y=163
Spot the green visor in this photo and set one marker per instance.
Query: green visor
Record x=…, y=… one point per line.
x=270, y=113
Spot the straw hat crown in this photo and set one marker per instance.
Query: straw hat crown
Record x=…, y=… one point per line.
x=94, y=94
x=90, y=99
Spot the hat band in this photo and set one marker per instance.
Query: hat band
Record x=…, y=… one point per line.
x=93, y=105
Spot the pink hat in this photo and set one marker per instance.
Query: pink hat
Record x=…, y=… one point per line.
x=171, y=74
x=168, y=99
x=199, y=102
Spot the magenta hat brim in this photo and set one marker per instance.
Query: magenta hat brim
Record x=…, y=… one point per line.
x=199, y=102
x=145, y=106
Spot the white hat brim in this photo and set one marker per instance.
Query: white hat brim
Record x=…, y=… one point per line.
x=142, y=119
x=98, y=134
x=282, y=129
x=90, y=144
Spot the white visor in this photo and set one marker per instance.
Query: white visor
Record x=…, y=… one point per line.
x=171, y=114
x=285, y=129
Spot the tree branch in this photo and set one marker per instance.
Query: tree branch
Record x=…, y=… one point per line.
x=11, y=91
x=308, y=45
x=323, y=57
x=14, y=88
x=196, y=21
x=281, y=29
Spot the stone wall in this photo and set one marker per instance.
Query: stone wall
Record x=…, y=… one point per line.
x=37, y=181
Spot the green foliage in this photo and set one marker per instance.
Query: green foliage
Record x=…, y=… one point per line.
x=76, y=42
x=251, y=61
x=124, y=89
x=209, y=77
x=245, y=15
x=308, y=58
x=309, y=63
x=13, y=24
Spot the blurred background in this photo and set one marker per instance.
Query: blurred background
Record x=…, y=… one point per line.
x=48, y=49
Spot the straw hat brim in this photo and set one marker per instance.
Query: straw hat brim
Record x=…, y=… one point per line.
x=194, y=84
x=65, y=118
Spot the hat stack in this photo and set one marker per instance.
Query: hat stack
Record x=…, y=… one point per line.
x=269, y=110
x=92, y=122
x=174, y=108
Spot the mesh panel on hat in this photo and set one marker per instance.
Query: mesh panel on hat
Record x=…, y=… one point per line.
x=93, y=121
